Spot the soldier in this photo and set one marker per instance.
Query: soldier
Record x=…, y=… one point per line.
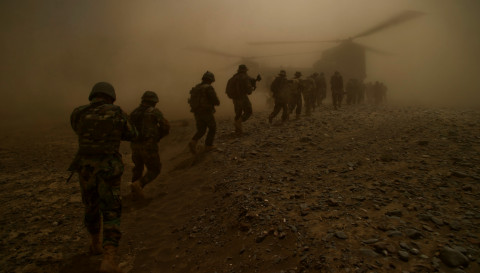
x=100, y=126
x=280, y=94
x=151, y=127
x=321, y=85
x=353, y=90
x=336, y=84
x=239, y=86
x=379, y=92
x=308, y=94
x=361, y=92
x=296, y=94
x=203, y=100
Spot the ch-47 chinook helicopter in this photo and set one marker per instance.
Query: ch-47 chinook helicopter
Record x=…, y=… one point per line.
x=348, y=57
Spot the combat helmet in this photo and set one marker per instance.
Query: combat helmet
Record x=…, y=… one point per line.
x=150, y=96
x=242, y=68
x=282, y=73
x=208, y=76
x=298, y=74
x=102, y=88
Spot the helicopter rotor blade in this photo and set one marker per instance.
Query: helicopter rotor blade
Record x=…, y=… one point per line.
x=395, y=20
x=294, y=42
x=212, y=51
x=284, y=54
x=375, y=50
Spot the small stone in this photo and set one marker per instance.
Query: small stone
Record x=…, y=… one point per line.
x=453, y=258
x=405, y=246
x=414, y=251
x=413, y=233
x=368, y=252
x=403, y=255
x=422, y=142
x=458, y=174
x=370, y=241
x=341, y=235
x=397, y=213
x=437, y=221
x=394, y=233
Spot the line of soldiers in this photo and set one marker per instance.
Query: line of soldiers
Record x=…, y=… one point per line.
x=101, y=126
x=288, y=94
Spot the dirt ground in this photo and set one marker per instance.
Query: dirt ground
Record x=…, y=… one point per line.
x=362, y=189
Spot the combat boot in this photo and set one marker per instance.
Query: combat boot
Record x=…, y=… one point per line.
x=108, y=264
x=193, y=146
x=209, y=148
x=137, y=189
x=238, y=127
x=96, y=246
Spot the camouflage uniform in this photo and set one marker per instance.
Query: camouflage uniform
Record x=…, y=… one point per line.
x=308, y=94
x=151, y=127
x=280, y=90
x=296, y=94
x=336, y=84
x=100, y=127
x=203, y=100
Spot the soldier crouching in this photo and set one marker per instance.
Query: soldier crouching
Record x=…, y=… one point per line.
x=100, y=126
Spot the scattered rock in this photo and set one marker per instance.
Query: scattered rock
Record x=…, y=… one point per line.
x=453, y=258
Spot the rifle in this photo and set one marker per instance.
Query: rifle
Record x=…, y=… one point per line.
x=254, y=81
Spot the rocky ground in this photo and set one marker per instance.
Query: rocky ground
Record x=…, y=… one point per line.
x=362, y=189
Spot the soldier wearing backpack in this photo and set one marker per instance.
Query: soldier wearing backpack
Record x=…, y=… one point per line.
x=100, y=126
x=203, y=100
x=151, y=127
x=239, y=86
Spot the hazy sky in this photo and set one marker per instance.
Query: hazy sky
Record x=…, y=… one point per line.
x=53, y=51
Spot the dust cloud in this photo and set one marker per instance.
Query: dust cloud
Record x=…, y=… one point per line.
x=53, y=51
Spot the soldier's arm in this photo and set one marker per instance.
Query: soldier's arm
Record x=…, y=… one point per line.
x=129, y=132
x=212, y=95
x=74, y=118
x=165, y=125
x=246, y=84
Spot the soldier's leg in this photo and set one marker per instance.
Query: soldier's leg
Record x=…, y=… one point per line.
x=212, y=129
x=111, y=207
x=90, y=199
x=201, y=127
x=298, y=111
x=138, y=162
x=334, y=99
x=285, y=112
x=276, y=110
x=154, y=166
x=237, y=106
x=247, y=109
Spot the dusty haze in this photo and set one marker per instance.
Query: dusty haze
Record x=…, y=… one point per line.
x=53, y=52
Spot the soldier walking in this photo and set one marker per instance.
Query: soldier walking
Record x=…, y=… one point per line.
x=321, y=86
x=296, y=94
x=336, y=84
x=239, y=86
x=280, y=92
x=151, y=127
x=100, y=126
x=308, y=94
x=203, y=100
